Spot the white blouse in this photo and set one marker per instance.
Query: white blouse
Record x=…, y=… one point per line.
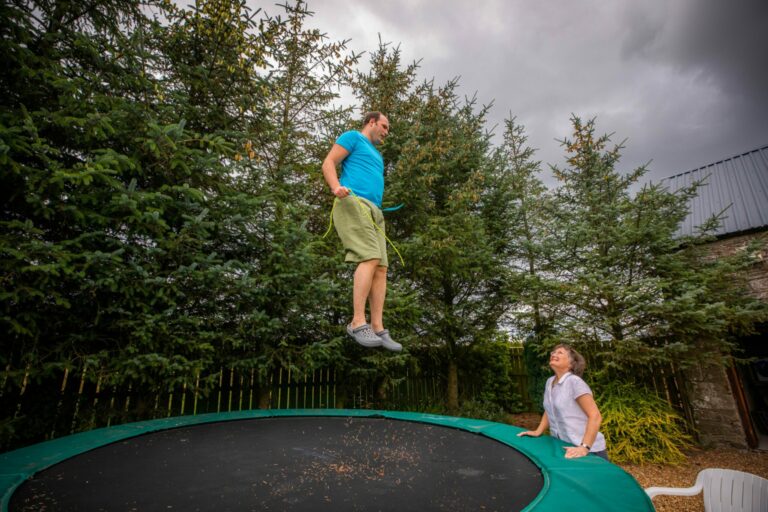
x=567, y=420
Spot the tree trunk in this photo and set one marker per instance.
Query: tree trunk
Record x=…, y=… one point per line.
x=381, y=391
x=453, y=387
x=264, y=397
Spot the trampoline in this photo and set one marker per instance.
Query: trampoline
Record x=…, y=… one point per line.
x=311, y=460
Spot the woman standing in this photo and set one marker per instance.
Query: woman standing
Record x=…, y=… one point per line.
x=570, y=411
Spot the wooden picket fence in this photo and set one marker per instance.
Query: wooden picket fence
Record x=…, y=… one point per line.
x=80, y=399
x=668, y=382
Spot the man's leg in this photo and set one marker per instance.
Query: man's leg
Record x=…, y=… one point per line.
x=361, y=288
x=376, y=298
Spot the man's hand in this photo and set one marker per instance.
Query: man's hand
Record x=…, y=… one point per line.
x=341, y=192
x=335, y=156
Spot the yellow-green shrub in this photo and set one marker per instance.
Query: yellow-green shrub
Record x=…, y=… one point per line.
x=641, y=427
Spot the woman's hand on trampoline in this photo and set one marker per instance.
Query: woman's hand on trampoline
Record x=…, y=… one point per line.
x=574, y=452
x=531, y=433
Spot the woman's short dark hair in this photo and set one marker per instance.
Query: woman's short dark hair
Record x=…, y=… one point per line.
x=375, y=115
x=578, y=364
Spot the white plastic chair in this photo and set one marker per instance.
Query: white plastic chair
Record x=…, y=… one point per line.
x=725, y=490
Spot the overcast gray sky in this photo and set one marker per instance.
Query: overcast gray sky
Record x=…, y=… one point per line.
x=684, y=81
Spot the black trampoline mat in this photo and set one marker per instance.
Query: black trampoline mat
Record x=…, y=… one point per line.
x=293, y=463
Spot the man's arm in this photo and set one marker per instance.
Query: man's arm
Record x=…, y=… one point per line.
x=334, y=158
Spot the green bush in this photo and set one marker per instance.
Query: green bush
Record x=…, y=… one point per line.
x=482, y=410
x=487, y=369
x=641, y=427
x=536, y=358
x=475, y=409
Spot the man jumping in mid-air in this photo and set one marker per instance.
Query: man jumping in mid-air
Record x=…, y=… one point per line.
x=360, y=223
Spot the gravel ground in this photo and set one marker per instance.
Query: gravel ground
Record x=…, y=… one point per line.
x=684, y=475
x=657, y=475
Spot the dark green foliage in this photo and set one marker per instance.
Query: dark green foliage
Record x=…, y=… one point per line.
x=133, y=236
x=488, y=367
x=629, y=291
x=163, y=206
x=536, y=356
x=483, y=410
x=455, y=264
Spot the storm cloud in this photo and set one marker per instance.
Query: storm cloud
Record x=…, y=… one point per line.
x=684, y=82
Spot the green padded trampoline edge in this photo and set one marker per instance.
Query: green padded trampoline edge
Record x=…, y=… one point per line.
x=589, y=483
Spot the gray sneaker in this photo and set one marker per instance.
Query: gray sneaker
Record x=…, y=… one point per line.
x=364, y=335
x=387, y=342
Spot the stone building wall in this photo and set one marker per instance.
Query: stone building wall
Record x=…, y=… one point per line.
x=712, y=398
x=714, y=408
x=757, y=275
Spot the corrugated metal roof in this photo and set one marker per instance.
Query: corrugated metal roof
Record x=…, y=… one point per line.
x=738, y=185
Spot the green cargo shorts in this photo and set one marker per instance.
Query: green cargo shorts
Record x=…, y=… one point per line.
x=354, y=219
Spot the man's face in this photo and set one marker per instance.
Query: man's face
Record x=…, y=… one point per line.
x=380, y=129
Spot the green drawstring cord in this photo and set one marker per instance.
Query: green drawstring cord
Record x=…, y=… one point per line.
x=368, y=211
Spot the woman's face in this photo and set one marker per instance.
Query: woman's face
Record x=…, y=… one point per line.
x=560, y=360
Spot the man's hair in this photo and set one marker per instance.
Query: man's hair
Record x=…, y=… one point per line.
x=375, y=115
x=578, y=364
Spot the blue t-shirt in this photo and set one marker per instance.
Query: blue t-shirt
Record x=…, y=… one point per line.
x=362, y=170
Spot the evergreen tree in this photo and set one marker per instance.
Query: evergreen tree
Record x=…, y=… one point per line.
x=438, y=157
x=129, y=239
x=79, y=228
x=522, y=219
x=632, y=292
